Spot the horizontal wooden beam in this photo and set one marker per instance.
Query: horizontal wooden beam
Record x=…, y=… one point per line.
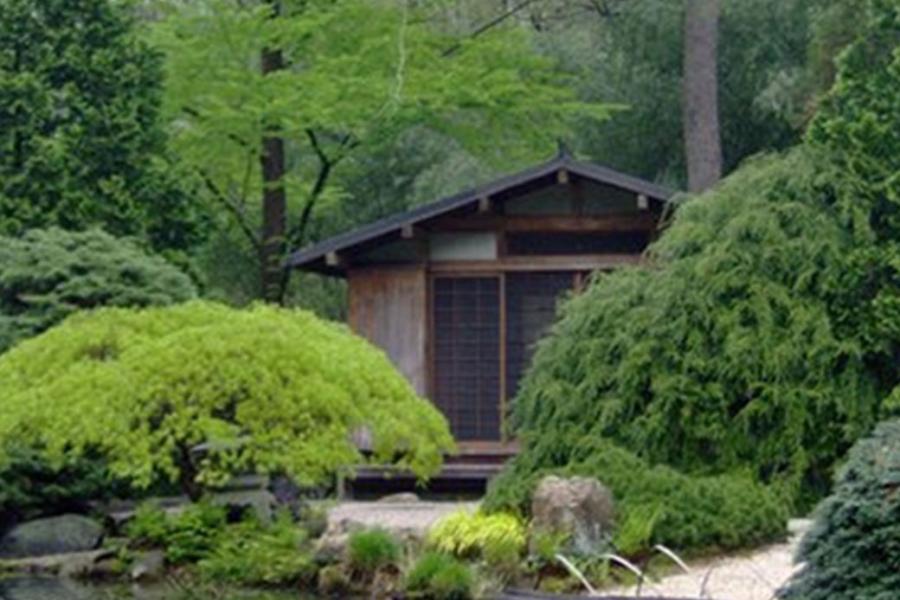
x=580, y=262
x=643, y=221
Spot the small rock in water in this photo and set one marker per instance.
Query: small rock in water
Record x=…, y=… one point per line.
x=149, y=566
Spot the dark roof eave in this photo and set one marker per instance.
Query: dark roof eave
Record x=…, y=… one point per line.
x=315, y=252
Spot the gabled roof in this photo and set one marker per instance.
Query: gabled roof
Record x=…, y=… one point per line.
x=397, y=222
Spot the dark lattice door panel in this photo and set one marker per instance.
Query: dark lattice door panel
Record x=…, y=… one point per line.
x=467, y=355
x=530, y=309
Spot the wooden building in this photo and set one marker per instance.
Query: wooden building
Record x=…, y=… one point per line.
x=458, y=291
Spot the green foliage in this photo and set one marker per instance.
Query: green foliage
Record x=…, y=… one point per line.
x=682, y=512
x=853, y=549
x=81, y=142
x=46, y=275
x=439, y=576
x=30, y=487
x=371, y=550
x=250, y=553
x=725, y=353
x=495, y=537
x=859, y=125
x=186, y=537
x=267, y=388
x=347, y=92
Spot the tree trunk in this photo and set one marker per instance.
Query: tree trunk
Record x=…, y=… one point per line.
x=274, y=205
x=703, y=147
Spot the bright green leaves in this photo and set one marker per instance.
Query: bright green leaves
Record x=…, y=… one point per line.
x=359, y=72
x=265, y=388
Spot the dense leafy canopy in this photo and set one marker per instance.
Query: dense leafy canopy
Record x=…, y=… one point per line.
x=722, y=355
x=853, y=549
x=273, y=389
x=762, y=337
x=358, y=73
x=81, y=142
x=46, y=275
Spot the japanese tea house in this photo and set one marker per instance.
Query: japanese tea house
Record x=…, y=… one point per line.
x=458, y=291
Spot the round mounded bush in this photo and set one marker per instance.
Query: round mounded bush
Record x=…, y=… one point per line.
x=47, y=274
x=264, y=388
x=853, y=549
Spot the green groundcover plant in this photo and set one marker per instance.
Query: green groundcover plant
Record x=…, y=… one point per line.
x=47, y=274
x=264, y=388
x=656, y=504
x=853, y=549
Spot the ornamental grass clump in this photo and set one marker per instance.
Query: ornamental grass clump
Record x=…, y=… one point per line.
x=372, y=550
x=853, y=548
x=265, y=389
x=440, y=576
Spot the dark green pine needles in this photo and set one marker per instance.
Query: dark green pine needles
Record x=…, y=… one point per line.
x=853, y=550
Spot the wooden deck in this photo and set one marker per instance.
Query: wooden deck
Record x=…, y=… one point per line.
x=464, y=475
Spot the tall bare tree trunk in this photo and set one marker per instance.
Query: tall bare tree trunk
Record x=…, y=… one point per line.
x=274, y=205
x=700, y=103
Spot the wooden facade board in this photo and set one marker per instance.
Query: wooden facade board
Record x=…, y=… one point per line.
x=388, y=306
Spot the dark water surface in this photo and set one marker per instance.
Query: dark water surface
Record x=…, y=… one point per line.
x=51, y=588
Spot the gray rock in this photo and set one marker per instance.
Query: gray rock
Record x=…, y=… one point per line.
x=580, y=507
x=56, y=535
x=70, y=564
x=40, y=588
x=148, y=566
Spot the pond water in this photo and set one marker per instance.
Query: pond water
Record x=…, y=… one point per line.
x=50, y=588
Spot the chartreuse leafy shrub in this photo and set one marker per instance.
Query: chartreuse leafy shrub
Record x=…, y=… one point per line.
x=186, y=537
x=656, y=504
x=46, y=275
x=499, y=539
x=268, y=388
x=439, y=576
x=853, y=548
x=371, y=550
x=251, y=553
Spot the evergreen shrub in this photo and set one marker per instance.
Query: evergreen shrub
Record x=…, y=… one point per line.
x=657, y=504
x=853, y=548
x=46, y=275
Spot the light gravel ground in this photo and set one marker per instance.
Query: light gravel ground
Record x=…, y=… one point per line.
x=748, y=576
x=413, y=517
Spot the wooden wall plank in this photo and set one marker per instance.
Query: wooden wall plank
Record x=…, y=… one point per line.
x=388, y=307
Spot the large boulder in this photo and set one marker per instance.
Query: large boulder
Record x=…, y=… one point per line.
x=578, y=507
x=54, y=535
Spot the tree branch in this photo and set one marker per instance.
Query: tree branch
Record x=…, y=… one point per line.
x=489, y=25
x=235, y=210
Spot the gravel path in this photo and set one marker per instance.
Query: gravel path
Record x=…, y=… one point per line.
x=414, y=517
x=752, y=576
